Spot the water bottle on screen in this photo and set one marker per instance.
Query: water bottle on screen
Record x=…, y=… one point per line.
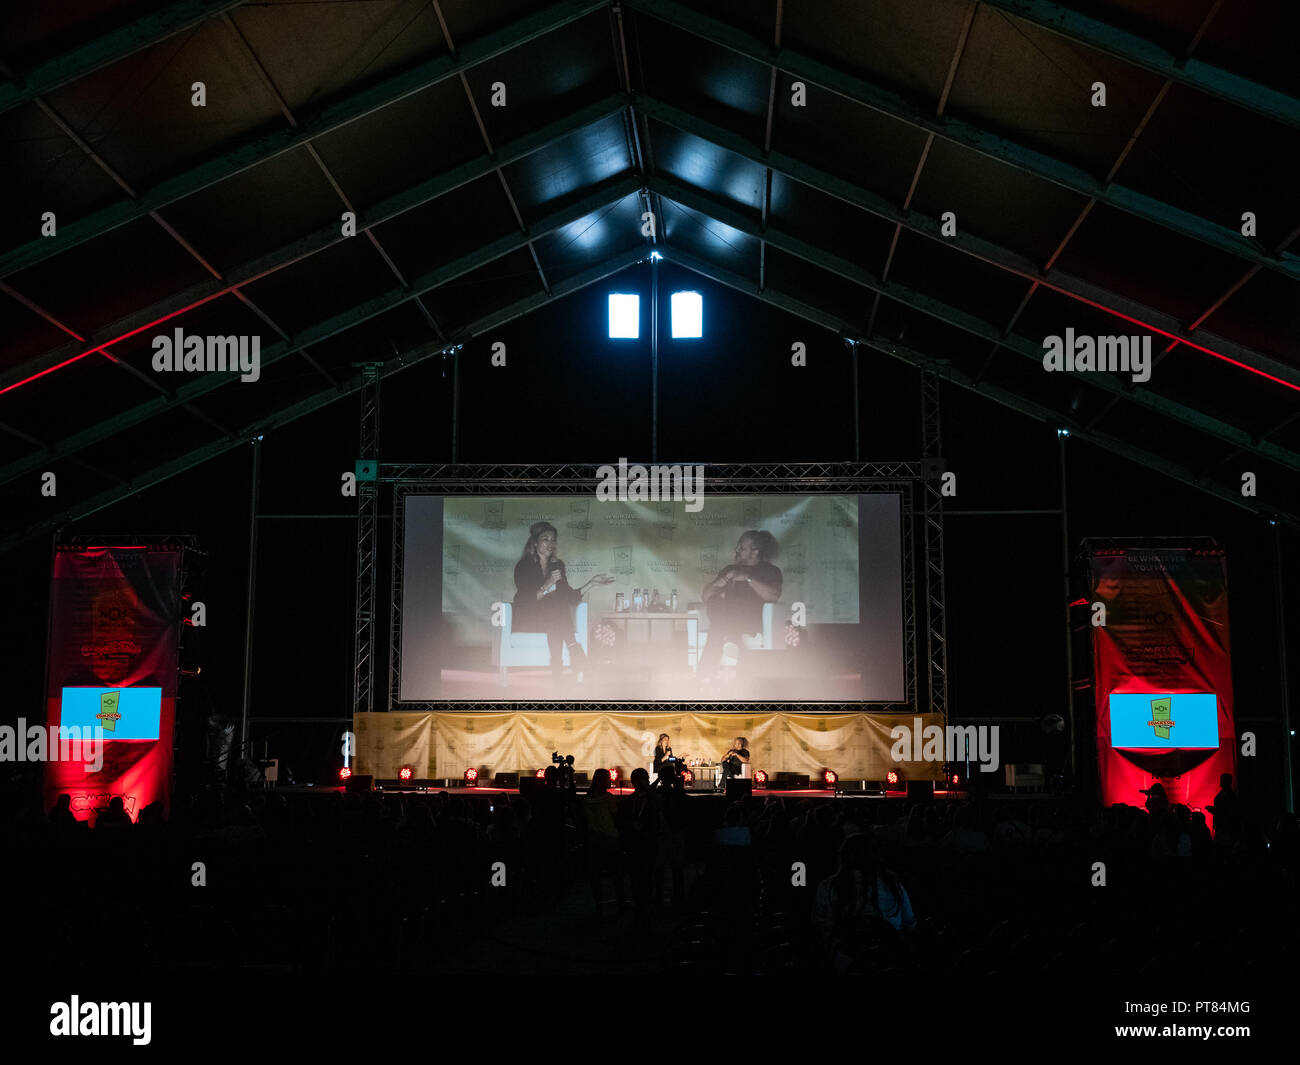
x=655, y=602
x=672, y=601
x=618, y=602
x=637, y=601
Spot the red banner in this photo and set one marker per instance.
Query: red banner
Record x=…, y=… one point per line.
x=115, y=618
x=1164, y=633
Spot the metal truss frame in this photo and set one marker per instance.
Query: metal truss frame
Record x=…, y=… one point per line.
x=363, y=662
x=936, y=624
x=563, y=478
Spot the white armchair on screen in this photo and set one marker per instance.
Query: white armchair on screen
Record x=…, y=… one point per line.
x=511, y=648
x=763, y=641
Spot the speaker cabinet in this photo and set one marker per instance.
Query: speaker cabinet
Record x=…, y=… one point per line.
x=506, y=780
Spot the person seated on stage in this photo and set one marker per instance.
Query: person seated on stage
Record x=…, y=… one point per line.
x=735, y=763
x=735, y=597
x=544, y=600
x=663, y=749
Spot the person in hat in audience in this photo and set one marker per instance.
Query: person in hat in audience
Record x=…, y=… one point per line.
x=1157, y=803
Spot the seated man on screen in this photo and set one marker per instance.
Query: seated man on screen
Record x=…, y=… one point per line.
x=735, y=597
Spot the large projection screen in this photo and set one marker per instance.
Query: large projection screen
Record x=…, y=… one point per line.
x=816, y=614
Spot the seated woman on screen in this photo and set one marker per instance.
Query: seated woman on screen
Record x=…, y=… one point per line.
x=544, y=600
x=735, y=597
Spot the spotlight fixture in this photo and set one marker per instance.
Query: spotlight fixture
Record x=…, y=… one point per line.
x=830, y=777
x=688, y=776
x=471, y=777
x=894, y=781
x=760, y=778
x=624, y=316
x=345, y=774
x=613, y=777
x=540, y=774
x=687, y=315
x=405, y=774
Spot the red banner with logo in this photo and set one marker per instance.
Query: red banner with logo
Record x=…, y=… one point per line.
x=115, y=618
x=1165, y=635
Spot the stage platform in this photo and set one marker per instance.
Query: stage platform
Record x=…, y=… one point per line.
x=945, y=795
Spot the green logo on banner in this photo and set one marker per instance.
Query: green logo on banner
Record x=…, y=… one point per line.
x=1160, y=716
x=108, y=703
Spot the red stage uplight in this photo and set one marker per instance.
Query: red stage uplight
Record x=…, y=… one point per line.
x=760, y=777
x=405, y=773
x=956, y=779
x=831, y=778
x=540, y=774
x=613, y=776
x=345, y=774
x=471, y=776
x=893, y=778
x=688, y=777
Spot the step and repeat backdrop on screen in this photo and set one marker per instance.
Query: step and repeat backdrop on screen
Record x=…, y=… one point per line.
x=756, y=598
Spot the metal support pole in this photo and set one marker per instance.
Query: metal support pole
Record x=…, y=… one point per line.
x=254, y=501
x=654, y=359
x=857, y=405
x=1281, y=669
x=1065, y=603
x=455, y=405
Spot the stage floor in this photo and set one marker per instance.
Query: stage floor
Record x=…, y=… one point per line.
x=784, y=793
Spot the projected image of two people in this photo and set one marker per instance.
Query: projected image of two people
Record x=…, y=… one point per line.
x=545, y=602
x=752, y=598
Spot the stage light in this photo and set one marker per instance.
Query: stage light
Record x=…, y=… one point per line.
x=624, y=316
x=471, y=777
x=345, y=774
x=613, y=777
x=688, y=315
x=688, y=777
x=405, y=774
x=760, y=778
x=655, y=257
x=540, y=774
x=830, y=777
x=894, y=781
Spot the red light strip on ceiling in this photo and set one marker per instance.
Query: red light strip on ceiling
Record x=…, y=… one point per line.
x=1171, y=336
x=109, y=343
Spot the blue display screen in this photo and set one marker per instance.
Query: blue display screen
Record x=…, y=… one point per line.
x=123, y=713
x=1164, y=719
